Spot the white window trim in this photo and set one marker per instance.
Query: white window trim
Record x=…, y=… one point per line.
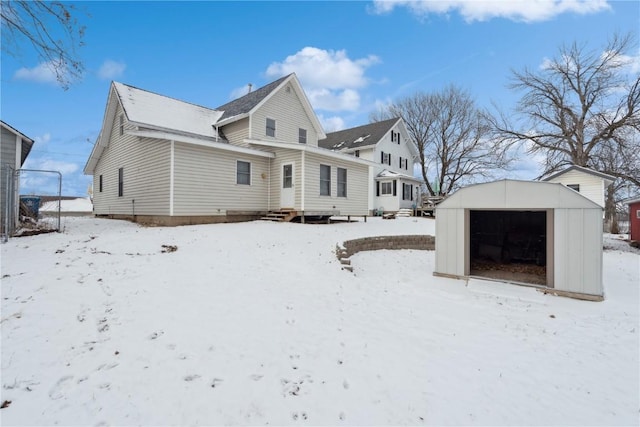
x=382, y=186
x=250, y=172
x=338, y=182
x=321, y=180
x=266, y=130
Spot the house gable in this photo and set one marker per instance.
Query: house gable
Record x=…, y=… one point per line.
x=590, y=183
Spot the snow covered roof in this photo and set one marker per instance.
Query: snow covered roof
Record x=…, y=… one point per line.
x=386, y=174
x=360, y=136
x=162, y=112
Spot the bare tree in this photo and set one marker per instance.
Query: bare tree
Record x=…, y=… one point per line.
x=452, y=135
x=52, y=30
x=575, y=104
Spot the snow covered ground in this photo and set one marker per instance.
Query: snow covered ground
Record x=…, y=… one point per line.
x=79, y=205
x=255, y=323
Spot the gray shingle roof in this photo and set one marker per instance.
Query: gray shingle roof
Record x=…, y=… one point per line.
x=360, y=136
x=245, y=103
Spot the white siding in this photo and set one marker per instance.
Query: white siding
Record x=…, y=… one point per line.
x=450, y=249
x=578, y=250
x=396, y=150
x=591, y=186
x=7, y=157
x=356, y=202
x=236, y=132
x=146, y=164
x=288, y=112
x=205, y=182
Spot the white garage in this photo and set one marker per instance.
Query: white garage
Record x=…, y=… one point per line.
x=526, y=232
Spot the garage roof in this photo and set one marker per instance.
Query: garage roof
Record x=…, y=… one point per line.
x=514, y=194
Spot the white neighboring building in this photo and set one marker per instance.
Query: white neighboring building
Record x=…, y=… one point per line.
x=393, y=153
x=588, y=182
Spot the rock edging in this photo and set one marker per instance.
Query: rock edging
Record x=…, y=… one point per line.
x=350, y=247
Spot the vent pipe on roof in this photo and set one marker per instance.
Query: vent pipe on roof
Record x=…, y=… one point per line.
x=250, y=86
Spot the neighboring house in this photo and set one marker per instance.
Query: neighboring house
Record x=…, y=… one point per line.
x=588, y=182
x=14, y=149
x=634, y=219
x=161, y=160
x=387, y=144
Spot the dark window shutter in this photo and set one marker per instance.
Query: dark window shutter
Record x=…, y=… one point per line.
x=377, y=188
x=400, y=162
x=382, y=157
x=389, y=159
x=404, y=192
x=411, y=186
x=394, y=187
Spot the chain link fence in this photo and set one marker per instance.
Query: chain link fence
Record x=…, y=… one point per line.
x=23, y=192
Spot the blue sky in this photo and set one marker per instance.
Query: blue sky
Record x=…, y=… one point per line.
x=351, y=57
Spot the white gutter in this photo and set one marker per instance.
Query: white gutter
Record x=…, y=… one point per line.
x=314, y=150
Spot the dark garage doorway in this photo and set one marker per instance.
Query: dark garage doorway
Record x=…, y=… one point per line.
x=509, y=245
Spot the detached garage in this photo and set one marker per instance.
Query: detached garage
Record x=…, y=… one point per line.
x=526, y=232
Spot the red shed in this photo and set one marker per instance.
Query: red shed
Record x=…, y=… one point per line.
x=634, y=219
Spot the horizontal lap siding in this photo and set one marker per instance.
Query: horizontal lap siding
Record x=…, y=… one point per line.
x=356, y=202
x=205, y=181
x=237, y=132
x=146, y=164
x=8, y=157
x=287, y=110
x=592, y=187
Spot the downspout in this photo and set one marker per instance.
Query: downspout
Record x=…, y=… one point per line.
x=171, y=178
x=303, y=190
x=269, y=187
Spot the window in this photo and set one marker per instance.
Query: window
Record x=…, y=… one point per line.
x=638, y=214
x=271, y=127
x=395, y=137
x=357, y=153
x=325, y=180
x=243, y=173
x=100, y=183
x=120, y=182
x=385, y=188
x=575, y=187
x=385, y=158
x=302, y=136
x=121, y=124
x=287, y=176
x=407, y=192
x=342, y=182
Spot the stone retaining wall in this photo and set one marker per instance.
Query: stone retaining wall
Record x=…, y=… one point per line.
x=350, y=247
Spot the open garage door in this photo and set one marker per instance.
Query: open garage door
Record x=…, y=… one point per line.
x=509, y=245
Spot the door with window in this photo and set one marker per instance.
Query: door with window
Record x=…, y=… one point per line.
x=287, y=194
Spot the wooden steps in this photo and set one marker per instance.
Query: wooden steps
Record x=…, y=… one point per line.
x=283, y=215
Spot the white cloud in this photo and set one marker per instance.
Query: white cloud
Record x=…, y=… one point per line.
x=330, y=78
x=238, y=92
x=42, y=139
x=331, y=124
x=51, y=165
x=481, y=10
x=110, y=69
x=41, y=73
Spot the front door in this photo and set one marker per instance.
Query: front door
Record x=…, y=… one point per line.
x=287, y=195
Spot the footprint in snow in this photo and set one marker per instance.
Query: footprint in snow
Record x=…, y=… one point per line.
x=155, y=335
x=191, y=377
x=256, y=377
x=58, y=389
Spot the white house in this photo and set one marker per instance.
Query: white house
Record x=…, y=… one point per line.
x=588, y=182
x=393, y=153
x=161, y=160
x=14, y=149
x=550, y=233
